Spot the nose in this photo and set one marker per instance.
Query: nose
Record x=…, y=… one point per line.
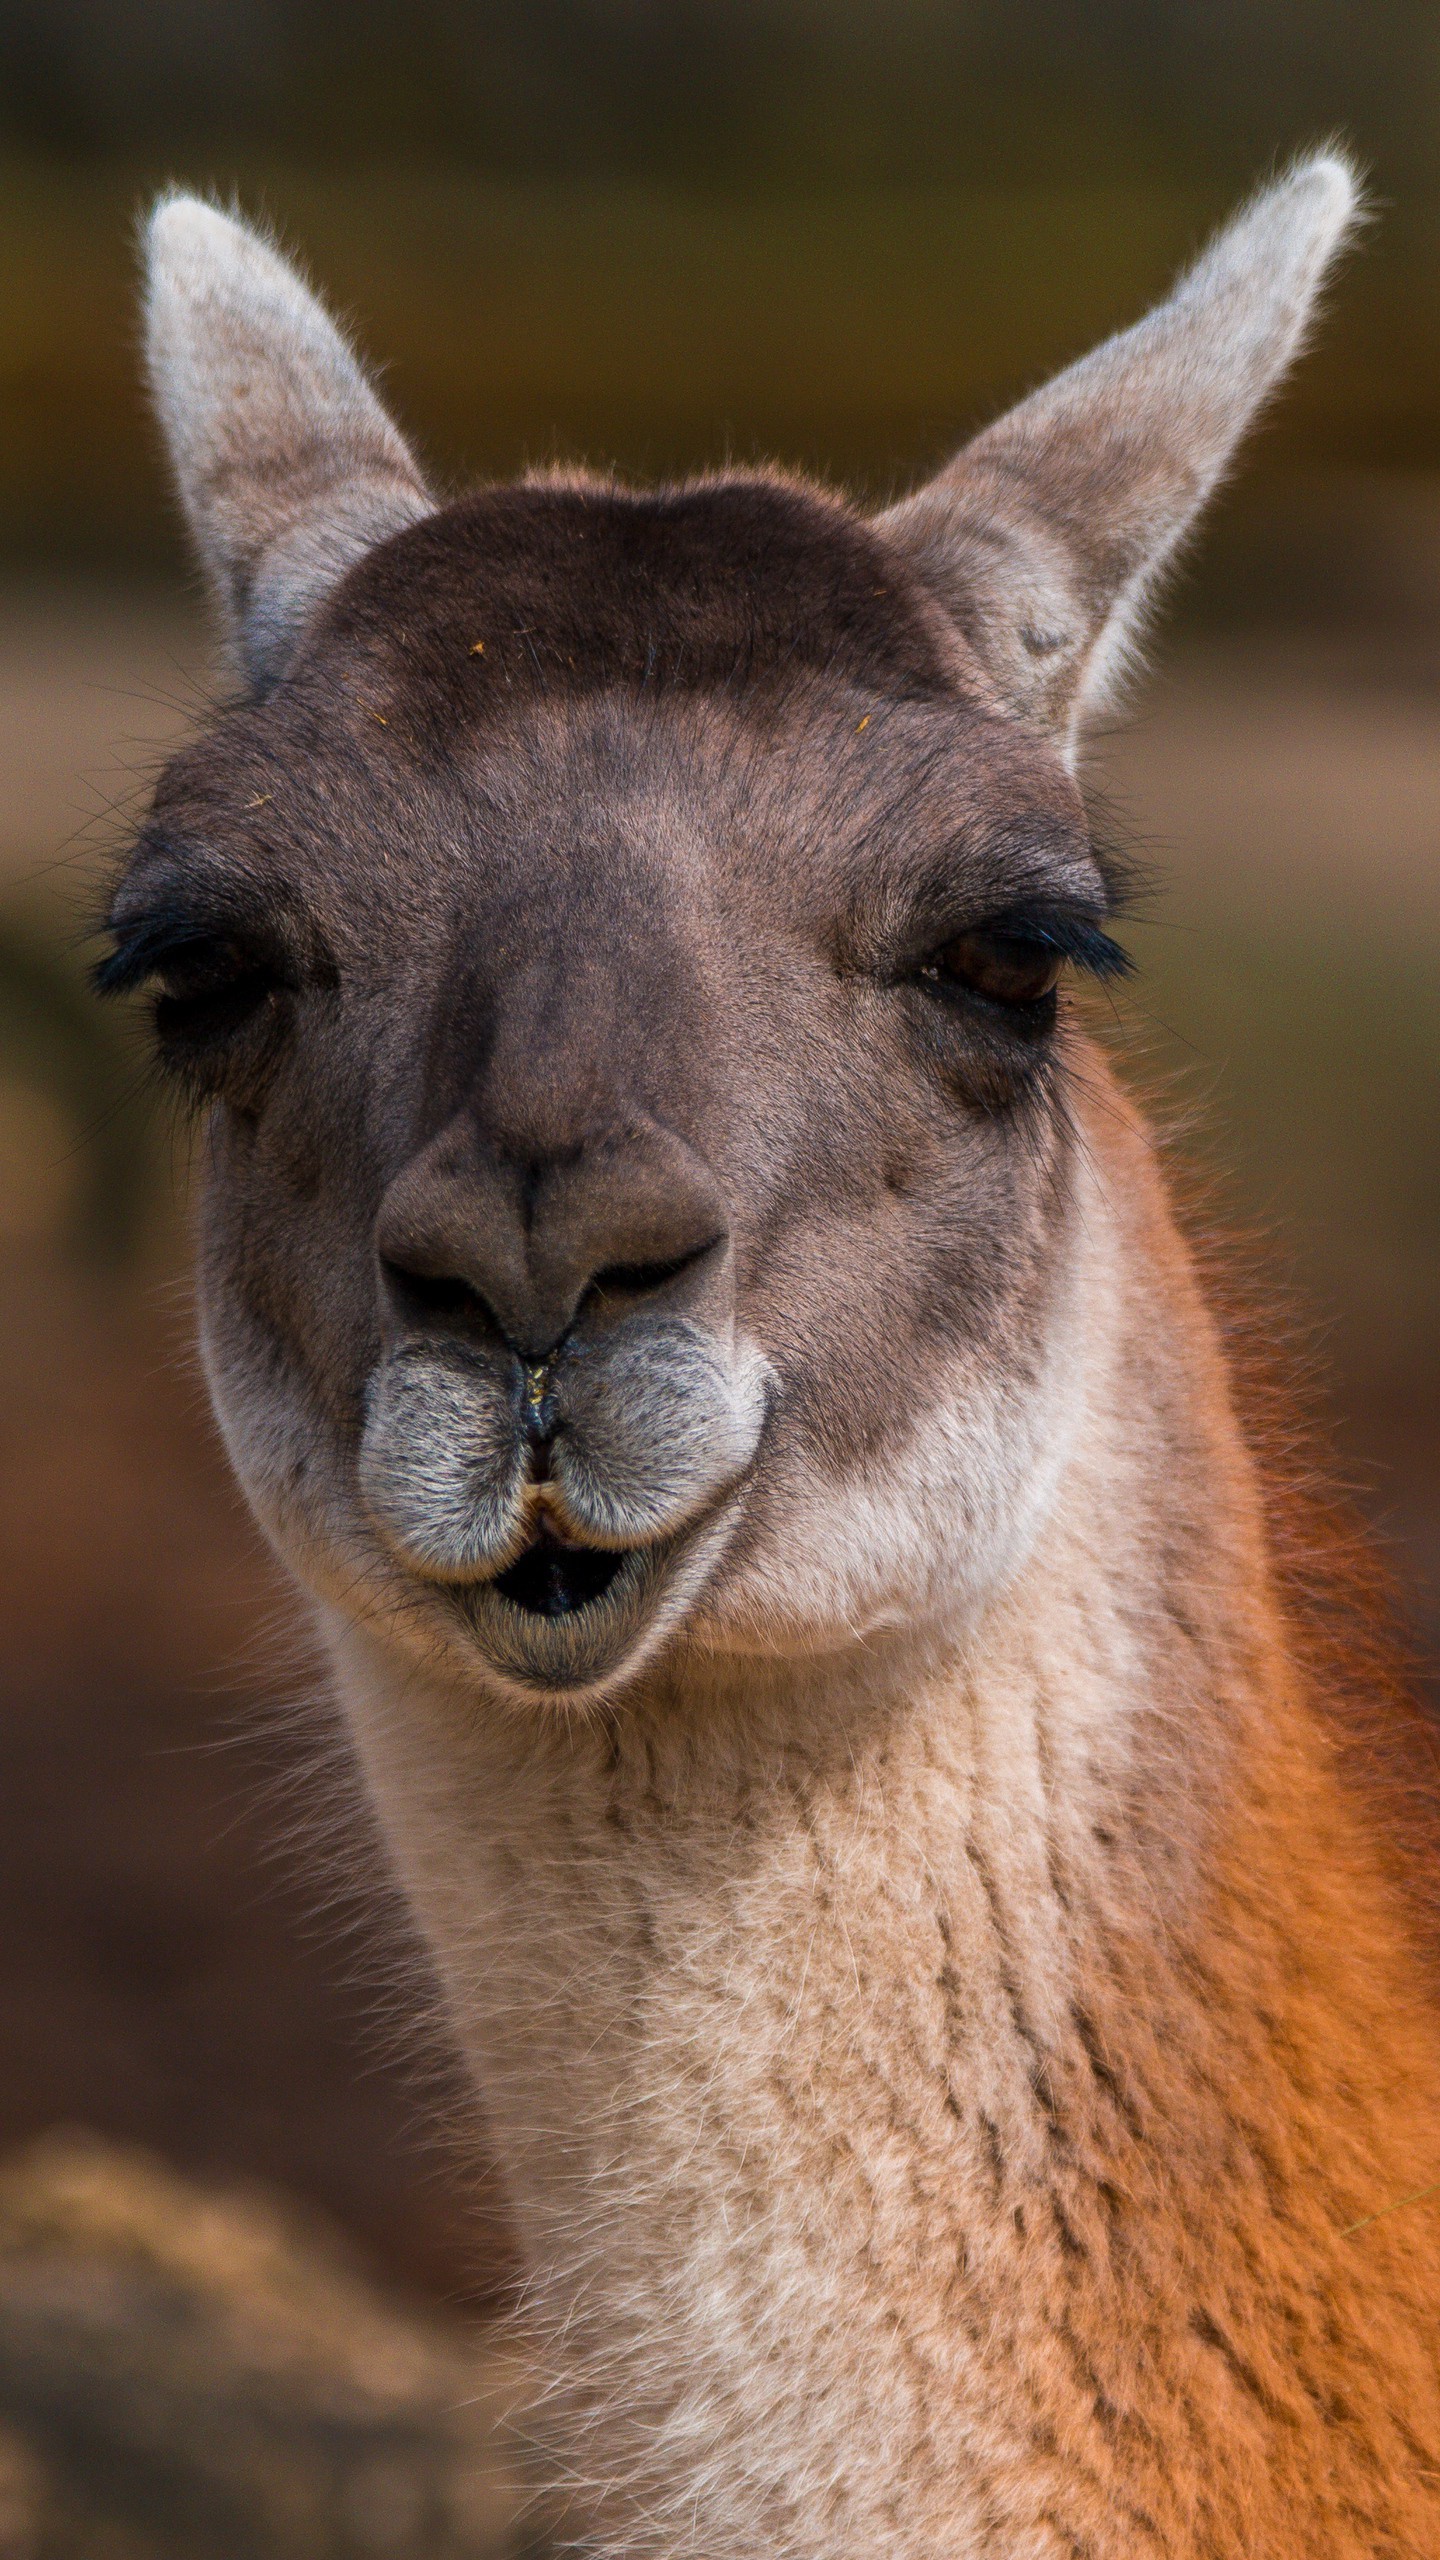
x=472, y=1235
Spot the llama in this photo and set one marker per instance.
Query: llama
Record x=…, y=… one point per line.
x=696, y=1312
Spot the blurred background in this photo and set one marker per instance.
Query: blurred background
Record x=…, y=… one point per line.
x=659, y=233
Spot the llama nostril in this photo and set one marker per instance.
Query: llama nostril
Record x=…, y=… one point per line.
x=643, y=1279
x=433, y=1293
x=429, y=1301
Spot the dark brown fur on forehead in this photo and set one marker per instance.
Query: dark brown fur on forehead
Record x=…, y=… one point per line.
x=563, y=584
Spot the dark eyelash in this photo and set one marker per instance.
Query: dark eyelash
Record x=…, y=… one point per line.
x=1075, y=937
x=149, y=945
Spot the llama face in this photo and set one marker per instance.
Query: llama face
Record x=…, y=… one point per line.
x=619, y=946
x=621, y=965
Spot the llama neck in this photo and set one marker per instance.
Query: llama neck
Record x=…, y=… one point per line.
x=958, y=1851
x=852, y=2012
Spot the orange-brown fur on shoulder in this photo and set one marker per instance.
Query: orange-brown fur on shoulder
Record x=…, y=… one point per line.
x=1343, y=1608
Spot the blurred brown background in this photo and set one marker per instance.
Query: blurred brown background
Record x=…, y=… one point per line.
x=659, y=232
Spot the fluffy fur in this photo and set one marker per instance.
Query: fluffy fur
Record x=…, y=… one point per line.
x=288, y=467
x=1048, y=533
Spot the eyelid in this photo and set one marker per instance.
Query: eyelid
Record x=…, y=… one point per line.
x=145, y=946
x=1074, y=932
x=164, y=912
x=1077, y=937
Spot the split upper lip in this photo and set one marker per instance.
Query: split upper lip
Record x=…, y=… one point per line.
x=554, y=1576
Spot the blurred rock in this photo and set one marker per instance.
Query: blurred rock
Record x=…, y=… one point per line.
x=194, y=2373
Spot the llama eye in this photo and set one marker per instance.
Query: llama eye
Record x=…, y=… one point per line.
x=1005, y=968
x=219, y=996
x=206, y=990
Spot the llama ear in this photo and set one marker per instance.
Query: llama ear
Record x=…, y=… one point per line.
x=288, y=467
x=1045, y=535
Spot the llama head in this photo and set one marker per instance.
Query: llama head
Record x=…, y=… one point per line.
x=619, y=944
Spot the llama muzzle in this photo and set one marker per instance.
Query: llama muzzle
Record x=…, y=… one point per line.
x=547, y=1498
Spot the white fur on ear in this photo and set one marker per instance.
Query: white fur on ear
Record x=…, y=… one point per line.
x=288, y=467
x=1045, y=535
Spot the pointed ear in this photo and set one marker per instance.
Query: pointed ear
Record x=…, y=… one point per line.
x=1045, y=535
x=288, y=467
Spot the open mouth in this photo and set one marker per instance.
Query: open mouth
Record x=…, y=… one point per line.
x=554, y=1579
x=562, y=1616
